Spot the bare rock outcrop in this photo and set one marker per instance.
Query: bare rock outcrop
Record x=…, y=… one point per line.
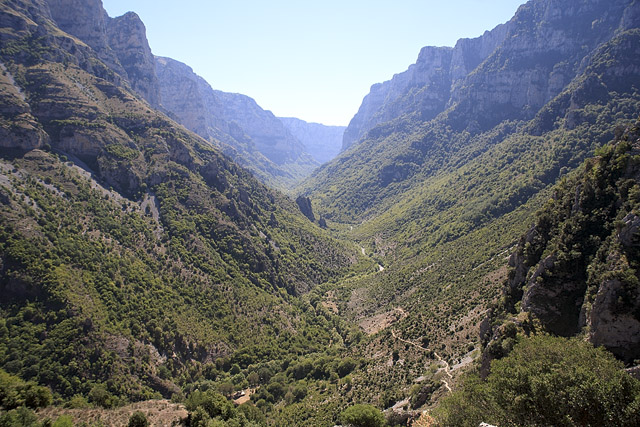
x=86, y=20
x=508, y=73
x=18, y=127
x=127, y=37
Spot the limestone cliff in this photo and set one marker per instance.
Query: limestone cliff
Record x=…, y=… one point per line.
x=423, y=88
x=127, y=38
x=86, y=20
x=268, y=133
x=245, y=132
x=252, y=136
x=18, y=127
x=508, y=73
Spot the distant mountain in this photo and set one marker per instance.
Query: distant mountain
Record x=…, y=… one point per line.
x=253, y=137
x=321, y=141
x=508, y=73
x=426, y=87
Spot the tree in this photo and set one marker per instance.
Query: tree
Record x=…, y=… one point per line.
x=138, y=419
x=253, y=379
x=101, y=396
x=362, y=416
x=212, y=403
x=547, y=381
x=346, y=366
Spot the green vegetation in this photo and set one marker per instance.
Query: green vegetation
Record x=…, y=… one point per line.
x=14, y=393
x=581, y=245
x=362, y=416
x=547, y=381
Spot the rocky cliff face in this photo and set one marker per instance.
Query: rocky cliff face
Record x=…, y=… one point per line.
x=423, y=88
x=127, y=37
x=120, y=43
x=321, y=141
x=260, y=141
x=181, y=96
x=576, y=268
x=547, y=44
x=86, y=20
x=505, y=74
x=268, y=133
x=244, y=131
x=18, y=127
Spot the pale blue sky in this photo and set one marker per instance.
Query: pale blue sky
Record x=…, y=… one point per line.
x=314, y=60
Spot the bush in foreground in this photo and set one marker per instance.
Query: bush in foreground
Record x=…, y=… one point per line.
x=547, y=381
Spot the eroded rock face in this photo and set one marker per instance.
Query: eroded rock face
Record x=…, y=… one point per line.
x=628, y=235
x=612, y=326
x=426, y=84
x=557, y=305
x=189, y=98
x=86, y=20
x=250, y=135
x=508, y=73
x=268, y=133
x=127, y=36
x=304, y=203
x=613, y=319
x=209, y=112
x=18, y=128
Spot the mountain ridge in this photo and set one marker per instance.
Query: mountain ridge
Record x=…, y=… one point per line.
x=253, y=136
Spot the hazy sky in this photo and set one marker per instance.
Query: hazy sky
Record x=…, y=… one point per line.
x=314, y=60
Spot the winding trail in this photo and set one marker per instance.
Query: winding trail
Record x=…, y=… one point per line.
x=364, y=252
x=447, y=367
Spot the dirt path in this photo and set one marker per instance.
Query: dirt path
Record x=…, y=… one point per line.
x=447, y=368
x=245, y=397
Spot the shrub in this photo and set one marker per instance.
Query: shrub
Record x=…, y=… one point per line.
x=362, y=416
x=547, y=381
x=138, y=419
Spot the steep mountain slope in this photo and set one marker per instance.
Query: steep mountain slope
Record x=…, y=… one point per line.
x=576, y=268
x=252, y=136
x=133, y=254
x=573, y=273
x=127, y=37
x=321, y=141
x=235, y=123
